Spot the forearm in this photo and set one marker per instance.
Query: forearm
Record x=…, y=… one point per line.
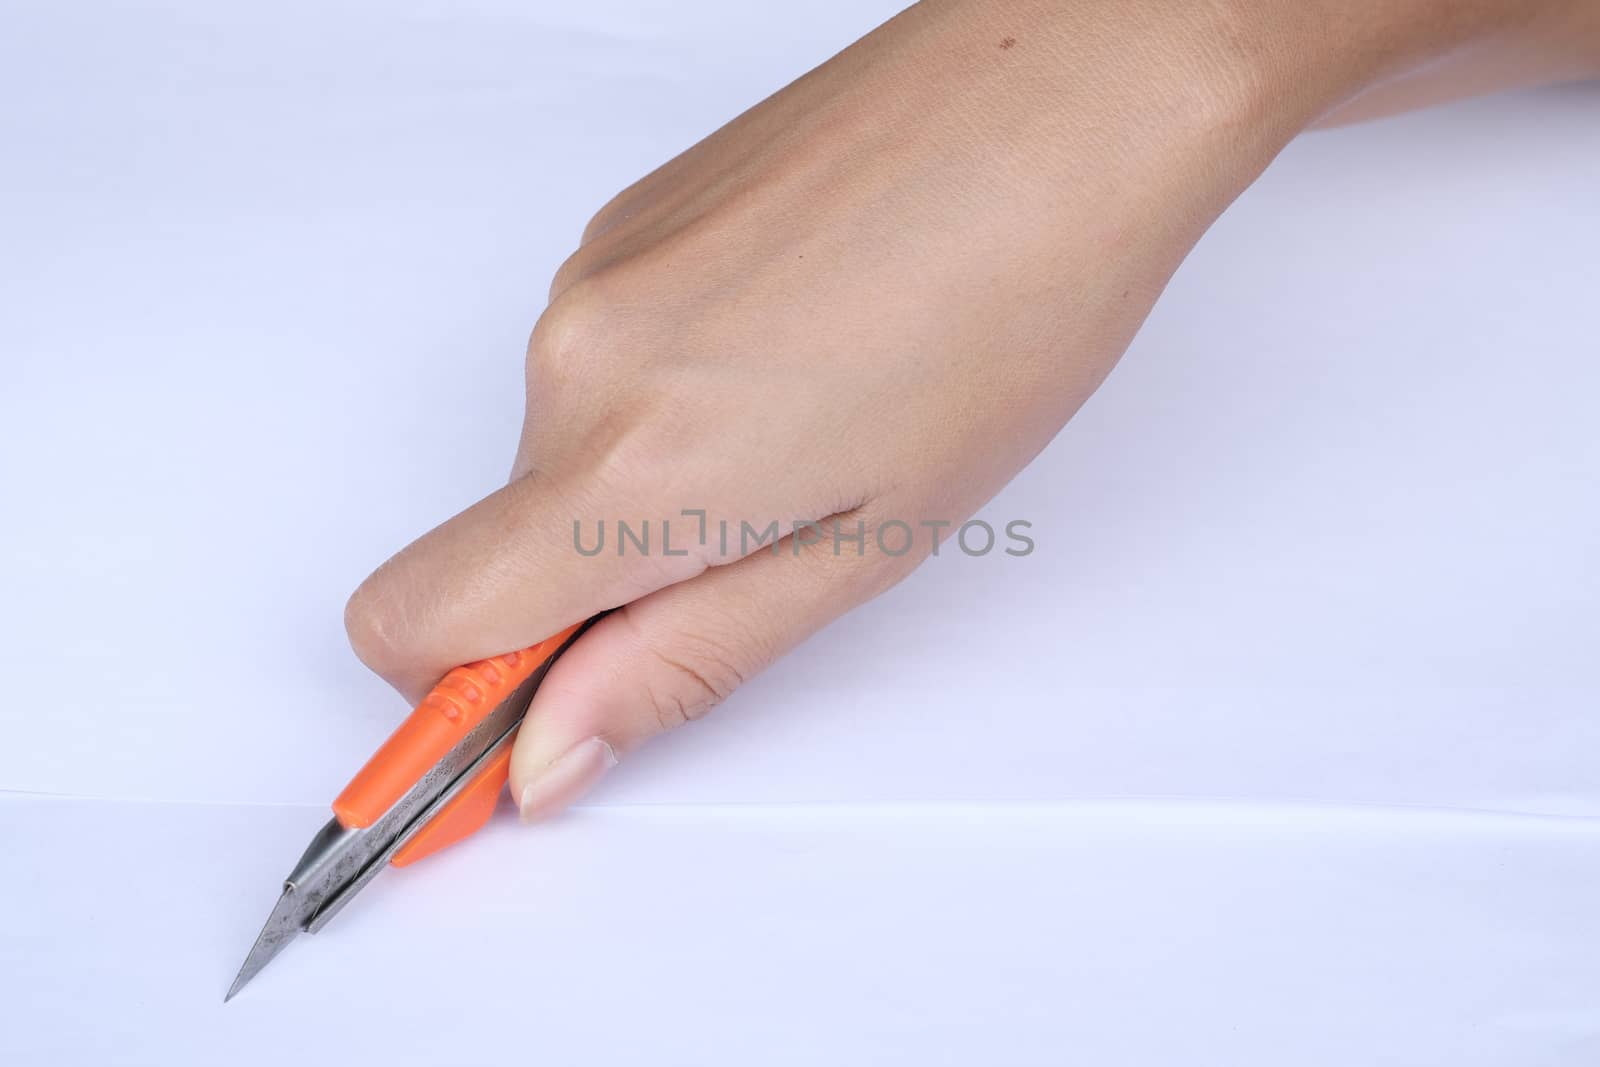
x=1544, y=43
x=1357, y=44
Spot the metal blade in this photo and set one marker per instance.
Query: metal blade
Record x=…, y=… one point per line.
x=282, y=926
x=341, y=860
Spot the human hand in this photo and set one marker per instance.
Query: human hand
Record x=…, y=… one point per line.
x=863, y=305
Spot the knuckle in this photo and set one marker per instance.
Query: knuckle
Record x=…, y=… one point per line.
x=618, y=209
x=693, y=677
x=628, y=204
x=573, y=270
x=670, y=709
x=570, y=334
x=371, y=622
x=602, y=220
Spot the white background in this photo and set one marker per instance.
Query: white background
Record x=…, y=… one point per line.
x=1281, y=747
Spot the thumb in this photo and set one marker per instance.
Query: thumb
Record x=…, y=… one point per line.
x=668, y=658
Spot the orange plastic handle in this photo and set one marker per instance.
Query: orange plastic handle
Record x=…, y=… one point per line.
x=461, y=700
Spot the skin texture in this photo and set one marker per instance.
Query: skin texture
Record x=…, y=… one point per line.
x=875, y=297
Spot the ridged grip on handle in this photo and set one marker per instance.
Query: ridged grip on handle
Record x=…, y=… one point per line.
x=461, y=700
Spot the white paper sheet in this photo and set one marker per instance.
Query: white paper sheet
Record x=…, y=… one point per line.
x=1112, y=934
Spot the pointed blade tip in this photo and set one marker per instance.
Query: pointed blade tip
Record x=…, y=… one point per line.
x=239, y=982
x=281, y=928
x=242, y=979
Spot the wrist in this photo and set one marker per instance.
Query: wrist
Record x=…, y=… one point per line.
x=1305, y=60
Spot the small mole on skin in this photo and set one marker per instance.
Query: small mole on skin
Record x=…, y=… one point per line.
x=1009, y=42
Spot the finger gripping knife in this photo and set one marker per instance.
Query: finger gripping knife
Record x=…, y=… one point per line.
x=434, y=782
